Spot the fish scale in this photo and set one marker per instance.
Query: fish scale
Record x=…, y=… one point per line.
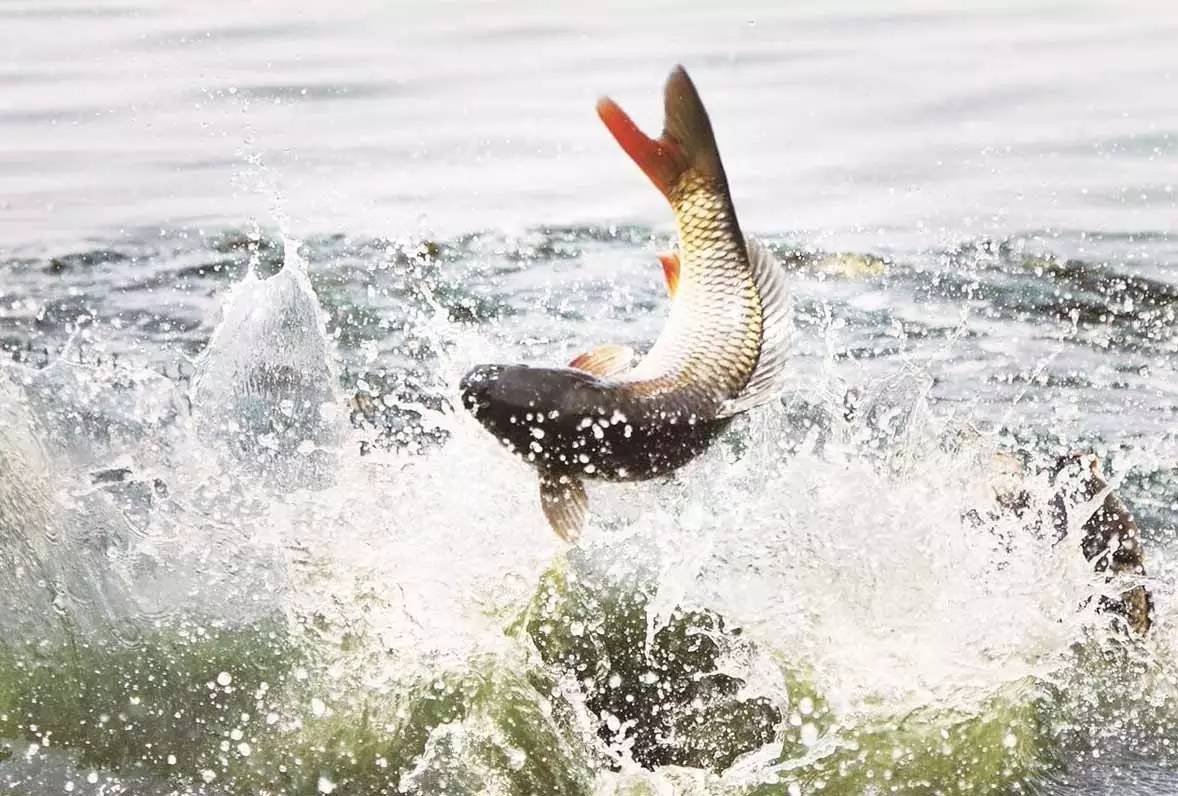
x=712, y=342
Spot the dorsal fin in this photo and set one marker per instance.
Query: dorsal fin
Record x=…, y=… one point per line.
x=671, y=266
x=686, y=144
x=777, y=331
x=605, y=360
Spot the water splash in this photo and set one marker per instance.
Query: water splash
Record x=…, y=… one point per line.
x=265, y=387
x=835, y=532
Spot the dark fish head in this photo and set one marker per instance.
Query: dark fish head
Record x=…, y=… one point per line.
x=508, y=399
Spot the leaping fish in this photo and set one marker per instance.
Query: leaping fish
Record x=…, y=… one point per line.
x=723, y=350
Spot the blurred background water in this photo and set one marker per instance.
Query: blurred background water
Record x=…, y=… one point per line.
x=861, y=124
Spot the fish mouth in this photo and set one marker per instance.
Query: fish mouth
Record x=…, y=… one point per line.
x=476, y=384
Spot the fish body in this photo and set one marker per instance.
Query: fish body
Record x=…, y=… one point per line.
x=571, y=424
x=722, y=352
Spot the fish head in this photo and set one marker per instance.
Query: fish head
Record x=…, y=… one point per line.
x=510, y=401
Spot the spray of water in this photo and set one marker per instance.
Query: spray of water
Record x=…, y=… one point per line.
x=862, y=553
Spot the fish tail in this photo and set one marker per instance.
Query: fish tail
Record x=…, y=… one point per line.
x=686, y=145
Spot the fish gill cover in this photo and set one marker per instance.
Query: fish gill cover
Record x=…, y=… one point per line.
x=217, y=584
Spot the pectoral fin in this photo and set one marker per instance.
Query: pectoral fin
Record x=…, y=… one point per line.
x=565, y=505
x=605, y=360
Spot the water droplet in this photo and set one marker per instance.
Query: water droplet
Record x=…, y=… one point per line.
x=516, y=758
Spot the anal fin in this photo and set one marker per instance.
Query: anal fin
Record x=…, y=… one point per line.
x=565, y=505
x=671, y=268
x=605, y=360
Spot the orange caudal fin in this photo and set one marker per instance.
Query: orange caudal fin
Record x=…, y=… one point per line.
x=687, y=142
x=660, y=159
x=670, y=261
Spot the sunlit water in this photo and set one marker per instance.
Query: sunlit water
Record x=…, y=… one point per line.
x=249, y=543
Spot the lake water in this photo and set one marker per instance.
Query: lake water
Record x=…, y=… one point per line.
x=979, y=204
